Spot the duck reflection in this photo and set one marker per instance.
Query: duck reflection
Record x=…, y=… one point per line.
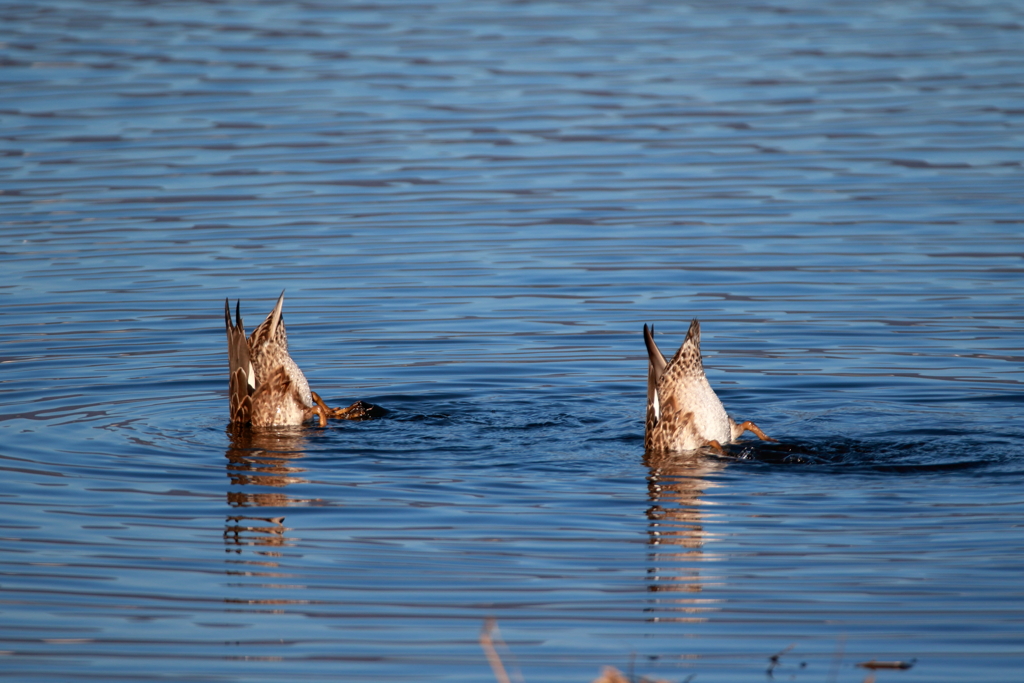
x=675, y=484
x=264, y=457
x=263, y=532
x=257, y=460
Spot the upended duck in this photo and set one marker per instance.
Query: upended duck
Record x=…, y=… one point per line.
x=266, y=387
x=683, y=412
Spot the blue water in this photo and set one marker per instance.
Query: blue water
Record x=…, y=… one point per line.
x=473, y=209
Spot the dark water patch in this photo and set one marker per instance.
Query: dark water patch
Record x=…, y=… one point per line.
x=843, y=455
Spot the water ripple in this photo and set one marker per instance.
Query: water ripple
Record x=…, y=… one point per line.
x=473, y=211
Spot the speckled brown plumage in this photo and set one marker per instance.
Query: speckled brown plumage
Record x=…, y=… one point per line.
x=683, y=411
x=266, y=387
x=239, y=391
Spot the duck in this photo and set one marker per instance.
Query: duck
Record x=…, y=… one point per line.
x=683, y=411
x=266, y=387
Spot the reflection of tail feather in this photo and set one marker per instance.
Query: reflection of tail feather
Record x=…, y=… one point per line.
x=269, y=479
x=240, y=499
x=264, y=466
x=675, y=583
x=676, y=548
x=265, y=458
x=239, y=530
x=677, y=535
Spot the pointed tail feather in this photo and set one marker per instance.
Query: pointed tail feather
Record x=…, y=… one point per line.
x=688, y=356
x=238, y=366
x=267, y=330
x=693, y=334
x=654, y=355
x=275, y=315
x=656, y=365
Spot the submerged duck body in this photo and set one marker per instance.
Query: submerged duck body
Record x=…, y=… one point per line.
x=266, y=386
x=683, y=411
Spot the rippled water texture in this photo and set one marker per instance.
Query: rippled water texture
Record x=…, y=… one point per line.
x=473, y=209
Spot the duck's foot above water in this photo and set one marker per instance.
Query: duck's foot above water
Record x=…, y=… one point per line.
x=715, y=446
x=360, y=410
x=749, y=426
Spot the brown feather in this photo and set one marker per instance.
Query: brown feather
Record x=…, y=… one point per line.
x=656, y=364
x=679, y=396
x=675, y=422
x=683, y=411
x=269, y=396
x=266, y=387
x=238, y=367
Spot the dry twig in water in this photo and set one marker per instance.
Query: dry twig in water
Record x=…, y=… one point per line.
x=487, y=643
x=875, y=664
x=487, y=640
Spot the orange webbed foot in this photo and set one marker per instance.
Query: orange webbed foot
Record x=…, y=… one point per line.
x=320, y=409
x=749, y=426
x=715, y=446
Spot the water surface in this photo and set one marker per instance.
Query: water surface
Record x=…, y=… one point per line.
x=473, y=209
